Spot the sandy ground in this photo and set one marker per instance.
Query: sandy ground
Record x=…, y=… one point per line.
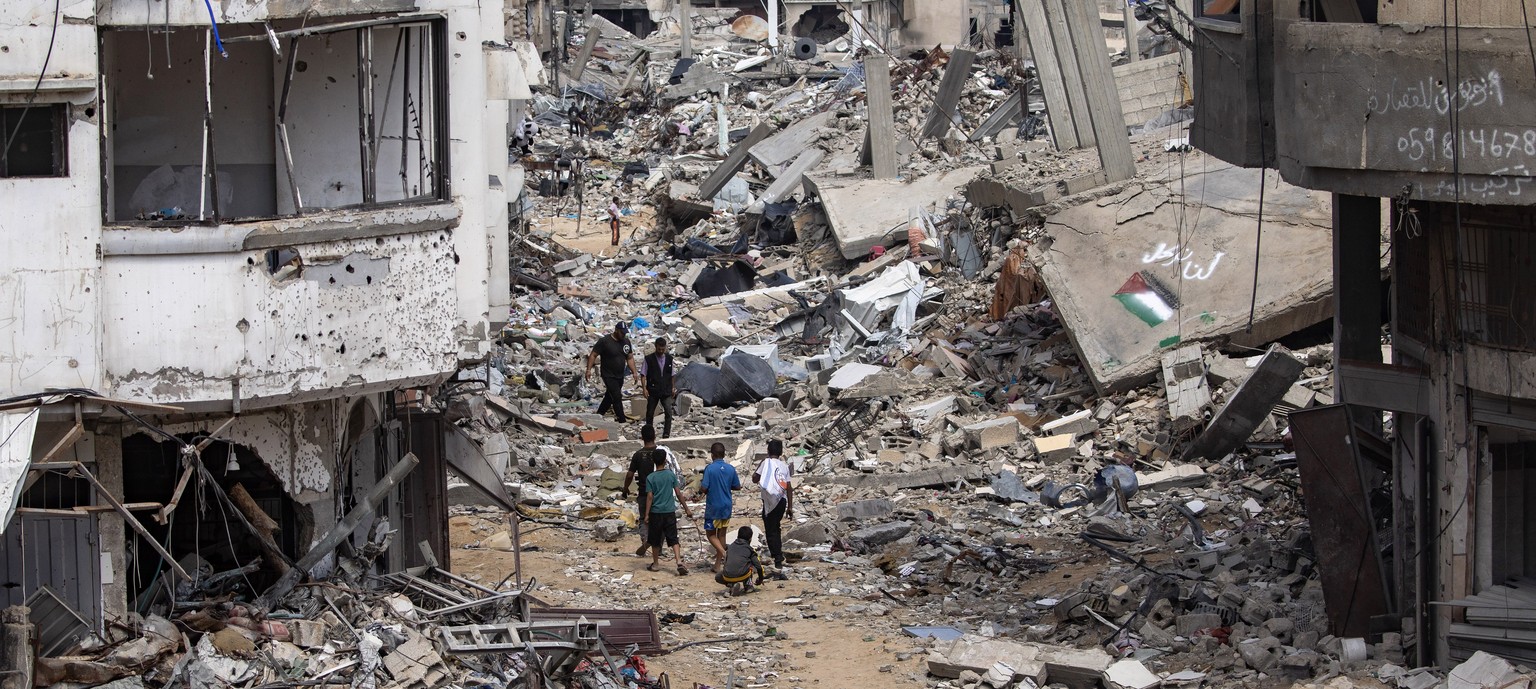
x=845, y=653
x=590, y=232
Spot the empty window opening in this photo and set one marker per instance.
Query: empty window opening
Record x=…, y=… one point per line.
x=337, y=119
x=823, y=24
x=202, y=533
x=33, y=140
x=1512, y=463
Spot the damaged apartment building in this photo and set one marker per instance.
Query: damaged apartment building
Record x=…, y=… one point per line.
x=881, y=22
x=242, y=244
x=1422, y=114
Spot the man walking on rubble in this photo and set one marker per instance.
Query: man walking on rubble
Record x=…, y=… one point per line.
x=613, y=219
x=640, y=467
x=719, y=480
x=614, y=353
x=773, y=477
x=663, y=496
x=656, y=379
x=741, y=562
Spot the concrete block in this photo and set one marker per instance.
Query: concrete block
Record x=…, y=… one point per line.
x=1077, y=425
x=877, y=508
x=992, y=434
x=596, y=435
x=809, y=533
x=1130, y=674
x=1259, y=654
x=1187, y=625
x=608, y=530
x=973, y=655
x=881, y=534
x=1056, y=448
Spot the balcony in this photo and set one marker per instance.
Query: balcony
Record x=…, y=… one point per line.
x=1363, y=108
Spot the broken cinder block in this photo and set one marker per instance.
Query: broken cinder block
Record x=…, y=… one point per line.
x=990, y=435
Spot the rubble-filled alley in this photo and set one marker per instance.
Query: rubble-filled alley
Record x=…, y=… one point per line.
x=1096, y=352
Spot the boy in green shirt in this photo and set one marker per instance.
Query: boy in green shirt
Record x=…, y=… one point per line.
x=663, y=495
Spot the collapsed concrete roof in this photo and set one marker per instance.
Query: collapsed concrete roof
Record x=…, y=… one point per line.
x=1127, y=291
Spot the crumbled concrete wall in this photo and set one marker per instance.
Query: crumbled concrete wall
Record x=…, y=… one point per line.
x=186, y=328
x=1148, y=88
x=297, y=443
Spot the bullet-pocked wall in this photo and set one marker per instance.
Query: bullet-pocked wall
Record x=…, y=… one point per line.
x=302, y=321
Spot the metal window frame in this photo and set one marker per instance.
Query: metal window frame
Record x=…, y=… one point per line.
x=59, y=112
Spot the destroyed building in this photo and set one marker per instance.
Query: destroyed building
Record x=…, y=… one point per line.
x=1417, y=116
x=241, y=243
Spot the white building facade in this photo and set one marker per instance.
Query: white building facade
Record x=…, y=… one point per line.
x=284, y=214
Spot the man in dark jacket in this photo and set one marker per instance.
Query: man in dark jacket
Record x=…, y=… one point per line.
x=657, y=381
x=615, y=355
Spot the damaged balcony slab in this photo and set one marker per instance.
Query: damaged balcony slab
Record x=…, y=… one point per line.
x=1128, y=291
x=329, y=226
x=867, y=213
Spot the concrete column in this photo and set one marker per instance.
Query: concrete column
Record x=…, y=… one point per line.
x=882, y=127
x=1132, y=27
x=1087, y=35
x=15, y=648
x=685, y=25
x=1357, y=294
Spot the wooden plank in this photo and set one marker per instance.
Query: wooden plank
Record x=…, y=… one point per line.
x=732, y=163
x=132, y=522
x=1104, y=112
x=882, y=126
x=941, y=115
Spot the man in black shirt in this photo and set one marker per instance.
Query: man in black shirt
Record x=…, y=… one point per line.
x=656, y=379
x=615, y=355
x=640, y=467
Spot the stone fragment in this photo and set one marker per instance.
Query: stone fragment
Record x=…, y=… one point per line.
x=992, y=434
x=608, y=530
x=876, y=508
x=881, y=534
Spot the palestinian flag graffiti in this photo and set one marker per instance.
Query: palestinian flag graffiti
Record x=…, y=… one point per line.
x=1147, y=298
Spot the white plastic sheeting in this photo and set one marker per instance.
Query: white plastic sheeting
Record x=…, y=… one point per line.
x=17, y=429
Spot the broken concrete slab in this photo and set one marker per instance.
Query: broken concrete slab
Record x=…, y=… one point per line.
x=791, y=178
x=1076, y=668
x=789, y=142
x=867, y=213
x=1128, y=291
x=1130, y=674
x=1185, y=387
x=880, y=534
x=979, y=655
x=1178, y=476
x=1248, y=407
x=1077, y=424
x=874, y=508
x=941, y=477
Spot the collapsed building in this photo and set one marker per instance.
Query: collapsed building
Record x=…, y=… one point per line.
x=239, y=246
x=960, y=258
x=1418, y=121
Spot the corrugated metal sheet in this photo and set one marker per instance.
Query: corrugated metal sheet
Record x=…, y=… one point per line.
x=57, y=551
x=625, y=627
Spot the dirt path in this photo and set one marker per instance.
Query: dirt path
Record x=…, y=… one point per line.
x=825, y=639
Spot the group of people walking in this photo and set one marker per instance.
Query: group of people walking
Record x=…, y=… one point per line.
x=655, y=471
x=661, y=495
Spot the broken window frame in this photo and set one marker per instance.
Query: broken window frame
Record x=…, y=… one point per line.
x=431, y=65
x=1226, y=20
x=58, y=116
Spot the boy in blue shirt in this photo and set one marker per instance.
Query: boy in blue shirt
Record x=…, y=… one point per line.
x=719, y=480
x=663, y=495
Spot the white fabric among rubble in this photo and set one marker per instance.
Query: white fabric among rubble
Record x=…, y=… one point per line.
x=16, y=431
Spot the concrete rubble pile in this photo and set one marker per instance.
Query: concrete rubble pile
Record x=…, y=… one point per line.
x=423, y=627
x=1020, y=485
x=1020, y=507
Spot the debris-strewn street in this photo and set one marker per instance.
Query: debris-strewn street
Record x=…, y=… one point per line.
x=524, y=344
